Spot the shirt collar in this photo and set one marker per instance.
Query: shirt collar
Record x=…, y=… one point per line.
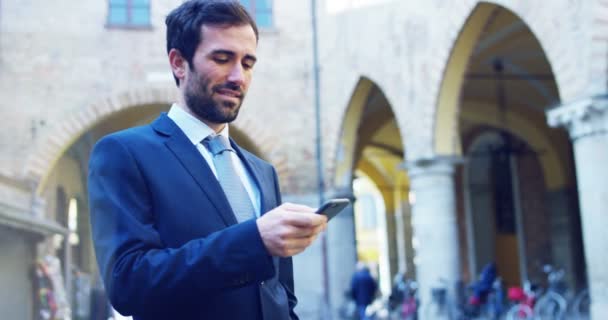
x=194, y=129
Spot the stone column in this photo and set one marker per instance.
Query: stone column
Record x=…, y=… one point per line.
x=410, y=268
x=403, y=225
x=587, y=123
x=435, y=230
x=392, y=239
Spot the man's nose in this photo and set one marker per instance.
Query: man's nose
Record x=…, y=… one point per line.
x=237, y=74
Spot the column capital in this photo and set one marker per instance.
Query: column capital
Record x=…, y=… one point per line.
x=434, y=165
x=583, y=117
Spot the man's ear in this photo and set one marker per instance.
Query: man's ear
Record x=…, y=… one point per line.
x=179, y=65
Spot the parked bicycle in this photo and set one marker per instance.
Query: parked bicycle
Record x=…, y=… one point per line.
x=552, y=305
x=579, y=308
x=403, y=300
x=444, y=304
x=522, y=300
x=438, y=308
x=409, y=307
x=534, y=303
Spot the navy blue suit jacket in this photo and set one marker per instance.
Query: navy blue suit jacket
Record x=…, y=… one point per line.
x=167, y=243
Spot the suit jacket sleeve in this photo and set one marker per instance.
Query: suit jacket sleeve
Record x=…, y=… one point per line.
x=140, y=272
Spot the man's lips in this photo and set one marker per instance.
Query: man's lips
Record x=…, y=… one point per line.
x=230, y=93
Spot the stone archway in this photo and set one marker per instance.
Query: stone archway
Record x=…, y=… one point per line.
x=343, y=169
x=560, y=55
x=470, y=57
x=504, y=72
x=371, y=145
x=61, y=137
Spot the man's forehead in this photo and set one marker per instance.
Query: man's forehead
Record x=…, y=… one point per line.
x=239, y=38
x=225, y=30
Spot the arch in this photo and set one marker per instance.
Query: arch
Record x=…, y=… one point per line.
x=370, y=105
x=61, y=137
x=344, y=167
x=446, y=119
x=559, y=54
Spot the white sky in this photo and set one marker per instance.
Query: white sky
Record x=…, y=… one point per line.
x=337, y=6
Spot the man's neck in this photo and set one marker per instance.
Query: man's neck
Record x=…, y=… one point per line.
x=217, y=127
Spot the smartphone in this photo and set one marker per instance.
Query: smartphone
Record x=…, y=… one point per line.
x=332, y=207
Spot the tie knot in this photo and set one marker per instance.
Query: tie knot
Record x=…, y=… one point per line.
x=216, y=144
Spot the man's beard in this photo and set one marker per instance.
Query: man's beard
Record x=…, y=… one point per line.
x=199, y=99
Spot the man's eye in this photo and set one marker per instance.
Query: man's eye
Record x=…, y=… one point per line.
x=220, y=59
x=248, y=64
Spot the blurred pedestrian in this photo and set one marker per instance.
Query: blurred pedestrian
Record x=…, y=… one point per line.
x=363, y=288
x=187, y=224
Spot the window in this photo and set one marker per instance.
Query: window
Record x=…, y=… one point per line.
x=129, y=13
x=261, y=10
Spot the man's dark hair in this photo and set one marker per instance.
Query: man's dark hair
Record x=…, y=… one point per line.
x=184, y=23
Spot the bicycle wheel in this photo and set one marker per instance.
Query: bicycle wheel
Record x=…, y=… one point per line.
x=520, y=312
x=551, y=306
x=580, y=305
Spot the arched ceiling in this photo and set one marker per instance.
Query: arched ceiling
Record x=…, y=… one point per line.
x=379, y=141
x=370, y=141
x=526, y=76
x=508, y=77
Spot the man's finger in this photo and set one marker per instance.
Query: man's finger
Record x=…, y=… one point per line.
x=297, y=207
x=300, y=219
x=298, y=243
x=289, y=232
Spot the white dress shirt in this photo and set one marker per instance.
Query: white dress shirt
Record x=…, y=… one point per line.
x=196, y=131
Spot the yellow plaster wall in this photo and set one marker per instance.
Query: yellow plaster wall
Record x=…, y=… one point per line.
x=447, y=139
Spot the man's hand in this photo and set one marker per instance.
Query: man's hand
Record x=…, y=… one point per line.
x=290, y=228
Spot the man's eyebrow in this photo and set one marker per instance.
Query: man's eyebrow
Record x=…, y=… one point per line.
x=222, y=51
x=251, y=57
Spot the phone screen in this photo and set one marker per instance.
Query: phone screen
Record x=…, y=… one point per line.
x=332, y=207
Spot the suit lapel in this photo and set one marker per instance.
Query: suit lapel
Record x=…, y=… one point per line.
x=195, y=164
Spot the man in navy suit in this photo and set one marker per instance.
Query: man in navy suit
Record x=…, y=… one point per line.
x=169, y=244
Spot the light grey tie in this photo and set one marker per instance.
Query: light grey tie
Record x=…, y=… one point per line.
x=237, y=195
